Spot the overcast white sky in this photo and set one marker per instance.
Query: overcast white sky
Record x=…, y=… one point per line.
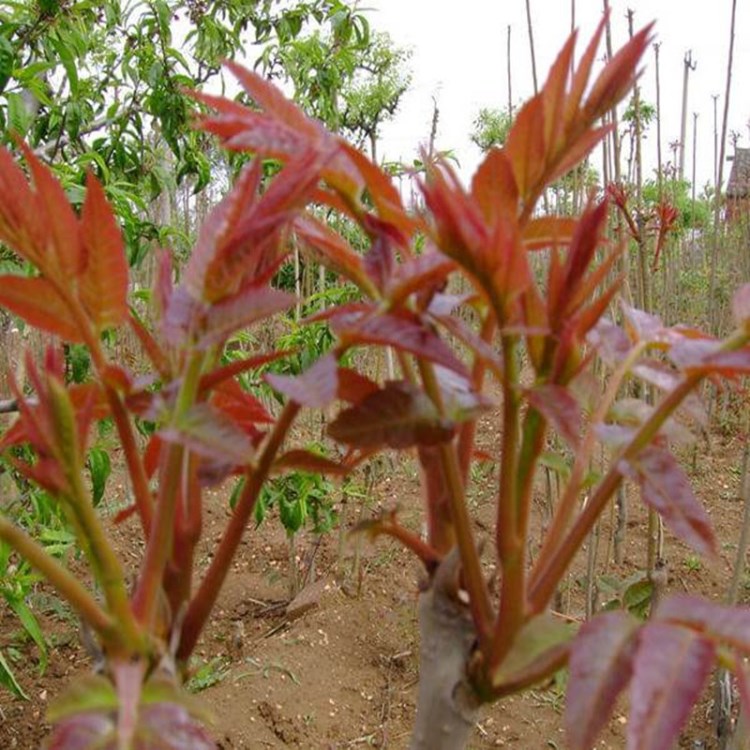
x=459, y=56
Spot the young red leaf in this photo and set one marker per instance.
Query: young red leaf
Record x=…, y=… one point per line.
x=242, y=407
x=577, y=150
x=20, y=227
x=548, y=231
x=559, y=407
x=600, y=666
x=422, y=273
x=353, y=387
x=618, y=77
x=154, y=352
x=37, y=301
x=207, y=431
x=460, y=230
x=304, y=460
x=248, y=306
x=669, y=671
x=666, y=488
x=399, y=416
x=57, y=218
x=526, y=147
x=381, y=190
x=337, y=254
x=404, y=331
x=217, y=230
x=494, y=187
x=103, y=284
x=554, y=93
x=269, y=98
x=730, y=625
x=315, y=388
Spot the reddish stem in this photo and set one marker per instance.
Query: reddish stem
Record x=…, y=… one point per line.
x=202, y=603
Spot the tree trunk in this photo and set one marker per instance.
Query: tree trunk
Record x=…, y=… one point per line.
x=447, y=705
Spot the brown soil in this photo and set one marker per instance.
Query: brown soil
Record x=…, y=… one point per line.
x=342, y=673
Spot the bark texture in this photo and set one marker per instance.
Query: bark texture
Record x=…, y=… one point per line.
x=447, y=705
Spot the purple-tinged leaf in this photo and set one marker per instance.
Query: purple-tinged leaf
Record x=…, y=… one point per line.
x=726, y=364
x=248, y=306
x=643, y=326
x=634, y=412
x=666, y=488
x=656, y=373
x=741, y=305
x=399, y=416
x=560, y=408
x=345, y=315
x=404, y=331
x=600, y=666
x=669, y=671
x=315, y=388
x=85, y=731
x=730, y=625
x=483, y=350
x=692, y=352
x=610, y=341
x=461, y=401
x=181, y=317
x=207, y=431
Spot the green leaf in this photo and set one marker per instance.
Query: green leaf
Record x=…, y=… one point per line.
x=7, y=61
x=19, y=119
x=100, y=468
x=8, y=679
x=63, y=47
x=90, y=693
x=31, y=626
x=539, y=643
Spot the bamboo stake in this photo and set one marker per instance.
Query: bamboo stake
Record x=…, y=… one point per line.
x=712, y=316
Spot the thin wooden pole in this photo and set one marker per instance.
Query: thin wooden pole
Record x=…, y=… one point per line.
x=689, y=64
x=531, y=46
x=713, y=315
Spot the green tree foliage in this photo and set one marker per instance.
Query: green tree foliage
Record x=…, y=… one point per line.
x=491, y=128
x=349, y=78
x=103, y=86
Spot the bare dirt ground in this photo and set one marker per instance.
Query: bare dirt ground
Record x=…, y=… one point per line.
x=343, y=673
